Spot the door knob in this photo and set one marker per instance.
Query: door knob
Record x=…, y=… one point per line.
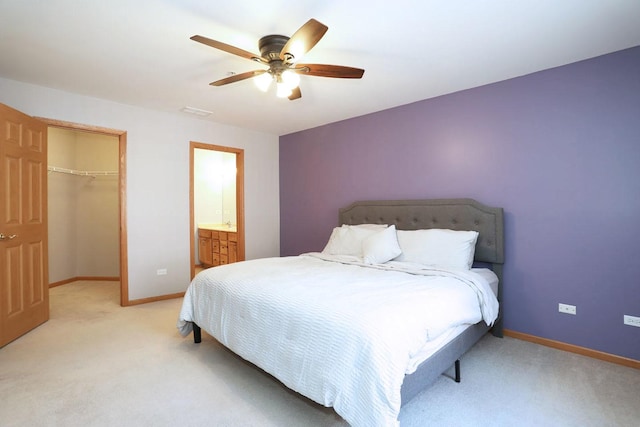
x=10, y=237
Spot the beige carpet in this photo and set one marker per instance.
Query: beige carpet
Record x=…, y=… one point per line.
x=97, y=364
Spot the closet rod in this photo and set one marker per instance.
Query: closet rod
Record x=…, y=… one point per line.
x=81, y=173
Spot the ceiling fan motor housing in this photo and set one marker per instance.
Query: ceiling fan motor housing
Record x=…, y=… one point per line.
x=271, y=46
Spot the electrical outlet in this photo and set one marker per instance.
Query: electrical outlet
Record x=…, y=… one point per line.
x=566, y=308
x=632, y=320
x=161, y=272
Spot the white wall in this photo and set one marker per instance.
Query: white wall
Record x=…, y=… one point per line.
x=62, y=208
x=158, y=179
x=214, y=187
x=98, y=211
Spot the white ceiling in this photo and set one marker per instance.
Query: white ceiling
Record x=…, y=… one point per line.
x=138, y=51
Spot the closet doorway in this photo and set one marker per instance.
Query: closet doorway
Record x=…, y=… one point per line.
x=87, y=216
x=217, y=199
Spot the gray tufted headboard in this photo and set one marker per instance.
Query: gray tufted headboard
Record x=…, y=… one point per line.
x=454, y=214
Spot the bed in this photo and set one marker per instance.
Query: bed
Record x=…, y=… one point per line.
x=333, y=325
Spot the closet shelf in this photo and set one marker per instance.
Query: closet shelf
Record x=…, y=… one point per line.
x=81, y=173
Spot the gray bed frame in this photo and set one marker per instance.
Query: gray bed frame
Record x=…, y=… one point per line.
x=455, y=214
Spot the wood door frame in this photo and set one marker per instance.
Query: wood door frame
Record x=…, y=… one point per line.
x=239, y=152
x=122, y=192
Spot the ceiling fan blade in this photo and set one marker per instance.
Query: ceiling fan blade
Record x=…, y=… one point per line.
x=323, y=70
x=237, y=77
x=295, y=94
x=227, y=48
x=303, y=40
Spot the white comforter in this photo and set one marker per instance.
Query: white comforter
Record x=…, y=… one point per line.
x=340, y=333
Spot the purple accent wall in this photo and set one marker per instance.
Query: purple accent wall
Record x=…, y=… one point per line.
x=559, y=150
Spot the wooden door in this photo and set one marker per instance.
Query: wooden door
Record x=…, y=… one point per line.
x=24, y=283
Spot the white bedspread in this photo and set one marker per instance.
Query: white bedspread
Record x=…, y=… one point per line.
x=340, y=333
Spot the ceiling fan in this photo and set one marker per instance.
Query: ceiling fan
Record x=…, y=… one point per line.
x=280, y=54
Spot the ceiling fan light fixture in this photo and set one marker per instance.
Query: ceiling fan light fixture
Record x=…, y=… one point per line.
x=282, y=90
x=263, y=81
x=291, y=79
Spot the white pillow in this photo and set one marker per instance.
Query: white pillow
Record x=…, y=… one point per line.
x=380, y=247
x=438, y=247
x=347, y=240
x=334, y=244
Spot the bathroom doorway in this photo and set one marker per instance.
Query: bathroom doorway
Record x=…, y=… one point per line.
x=216, y=198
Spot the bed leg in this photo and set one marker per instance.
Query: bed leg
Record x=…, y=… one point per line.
x=497, y=330
x=457, y=366
x=197, y=334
